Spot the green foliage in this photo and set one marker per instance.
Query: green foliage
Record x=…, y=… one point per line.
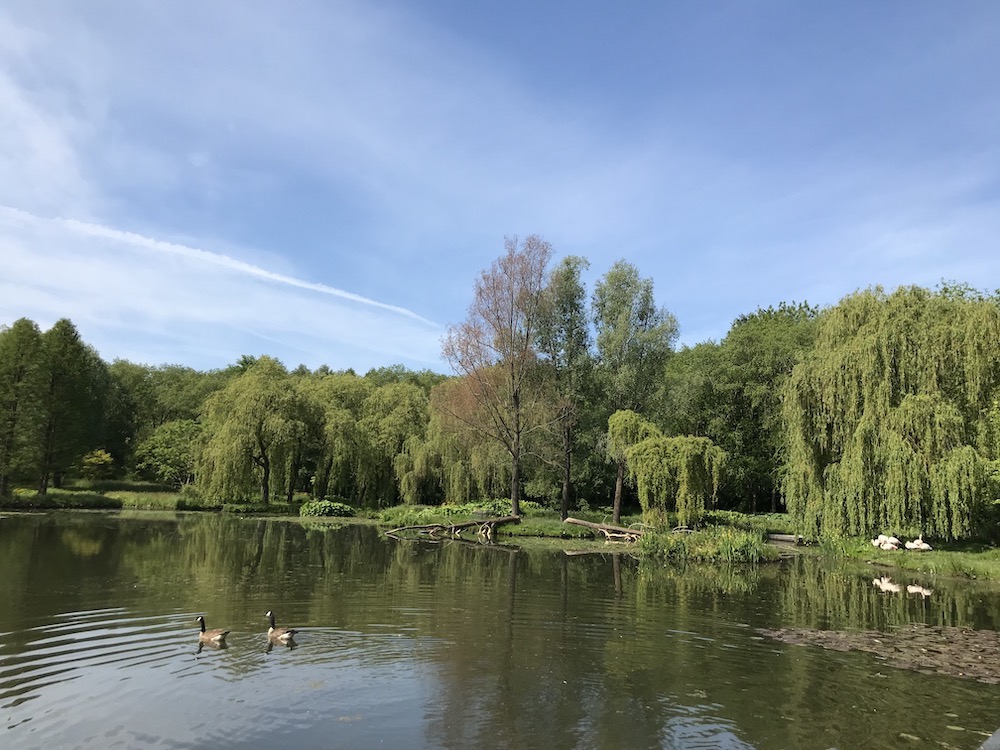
x=414, y=515
x=22, y=374
x=671, y=474
x=713, y=544
x=326, y=508
x=75, y=385
x=634, y=336
x=549, y=526
x=500, y=394
x=251, y=426
x=888, y=421
x=626, y=429
x=678, y=474
x=57, y=498
x=119, y=485
x=97, y=464
x=146, y=500
x=760, y=523
x=170, y=453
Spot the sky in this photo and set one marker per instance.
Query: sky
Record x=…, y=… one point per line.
x=323, y=181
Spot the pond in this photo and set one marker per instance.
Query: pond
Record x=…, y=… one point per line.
x=452, y=645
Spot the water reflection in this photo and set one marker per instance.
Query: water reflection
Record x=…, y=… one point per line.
x=451, y=645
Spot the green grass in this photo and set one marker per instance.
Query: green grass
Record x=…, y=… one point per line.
x=709, y=544
x=955, y=560
x=86, y=499
x=133, y=495
x=725, y=536
x=728, y=538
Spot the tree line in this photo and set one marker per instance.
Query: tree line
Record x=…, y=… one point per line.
x=879, y=412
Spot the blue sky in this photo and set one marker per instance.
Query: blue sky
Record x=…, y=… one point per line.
x=323, y=181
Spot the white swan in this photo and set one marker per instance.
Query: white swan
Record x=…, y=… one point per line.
x=886, y=585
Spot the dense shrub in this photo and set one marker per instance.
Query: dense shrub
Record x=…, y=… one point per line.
x=326, y=508
x=715, y=543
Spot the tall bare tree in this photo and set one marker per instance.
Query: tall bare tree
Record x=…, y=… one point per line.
x=493, y=350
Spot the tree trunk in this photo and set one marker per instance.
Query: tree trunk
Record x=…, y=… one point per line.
x=515, y=486
x=7, y=457
x=322, y=487
x=293, y=474
x=265, y=482
x=610, y=532
x=567, y=459
x=10, y=430
x=616, y=516
x=46, y=468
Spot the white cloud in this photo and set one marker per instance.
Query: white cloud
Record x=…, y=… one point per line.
x=103, y=278
x=355, y=162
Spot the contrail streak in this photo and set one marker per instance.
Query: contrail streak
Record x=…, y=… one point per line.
x=216, y=259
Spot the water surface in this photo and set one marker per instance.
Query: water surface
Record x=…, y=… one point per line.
x=448, y=645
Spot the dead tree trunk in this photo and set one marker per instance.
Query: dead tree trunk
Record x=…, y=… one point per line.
x=611, y=533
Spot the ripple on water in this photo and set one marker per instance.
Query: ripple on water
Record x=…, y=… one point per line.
x=112, y=679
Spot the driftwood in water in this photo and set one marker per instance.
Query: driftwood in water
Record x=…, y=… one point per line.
x=486, y=528
x=611, y=533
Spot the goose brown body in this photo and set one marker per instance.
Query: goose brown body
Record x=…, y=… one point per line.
x=210, y=636
x=278, y=634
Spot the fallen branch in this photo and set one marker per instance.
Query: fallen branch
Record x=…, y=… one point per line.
x=486, y=529
x=611, y=533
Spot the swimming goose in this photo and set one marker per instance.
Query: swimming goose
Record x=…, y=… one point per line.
x=278, y=634
x=218, y=635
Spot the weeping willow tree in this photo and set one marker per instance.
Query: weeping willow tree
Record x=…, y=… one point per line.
x=679, y=474
x=451, y=461
x=890, y=422
x=248, y=427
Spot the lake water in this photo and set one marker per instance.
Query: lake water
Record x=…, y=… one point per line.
x=420, y=645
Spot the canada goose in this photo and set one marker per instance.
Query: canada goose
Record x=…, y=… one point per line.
x=278, y=634
x=210, y=636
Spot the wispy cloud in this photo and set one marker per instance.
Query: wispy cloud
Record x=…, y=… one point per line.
x=88, y=229
x=246, y=163
x=108, y=280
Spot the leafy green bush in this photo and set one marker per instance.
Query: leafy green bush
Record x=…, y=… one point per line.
x=326, y=508
x=714, y=543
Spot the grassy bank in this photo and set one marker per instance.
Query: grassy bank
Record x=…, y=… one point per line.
x=955, y=560
x=724, y=537
x=129, y=495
